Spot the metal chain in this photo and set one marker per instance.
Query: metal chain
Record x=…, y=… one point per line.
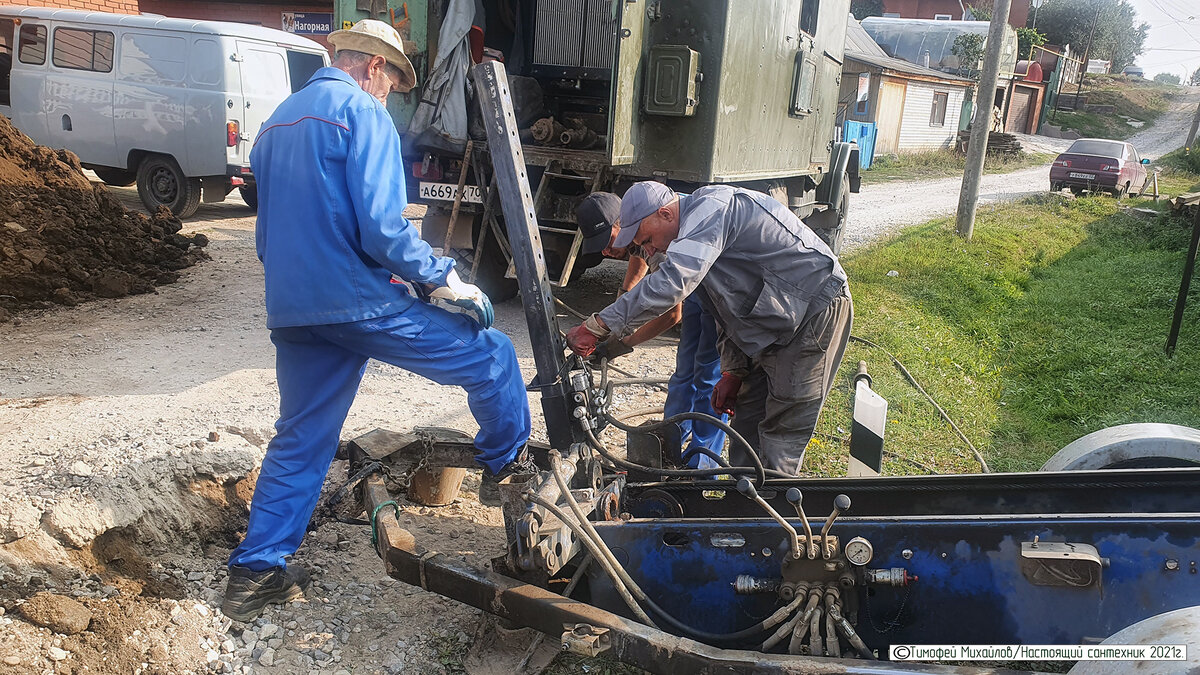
x=891, y=624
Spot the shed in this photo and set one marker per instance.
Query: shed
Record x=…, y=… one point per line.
x=914, y=108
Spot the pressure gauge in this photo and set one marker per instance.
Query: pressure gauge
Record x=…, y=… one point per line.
x=859, y=551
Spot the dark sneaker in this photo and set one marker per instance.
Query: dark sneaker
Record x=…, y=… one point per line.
x=248, y=592
x=489, y=491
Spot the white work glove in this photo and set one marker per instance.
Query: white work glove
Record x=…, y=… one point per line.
x=460, y=295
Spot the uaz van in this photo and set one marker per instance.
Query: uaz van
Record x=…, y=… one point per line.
x=173, y=104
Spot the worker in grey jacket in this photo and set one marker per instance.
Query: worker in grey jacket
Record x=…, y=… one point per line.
x=778, y=294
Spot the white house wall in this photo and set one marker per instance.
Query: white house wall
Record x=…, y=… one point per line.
x=915, y=131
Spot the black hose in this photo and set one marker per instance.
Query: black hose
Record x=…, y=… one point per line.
x=759, y=471
x=677, y=473
x=701, y=450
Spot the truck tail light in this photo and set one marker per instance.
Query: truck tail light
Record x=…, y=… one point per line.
x=231, y=133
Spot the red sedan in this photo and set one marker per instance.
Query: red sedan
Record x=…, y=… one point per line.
x=1096, y=164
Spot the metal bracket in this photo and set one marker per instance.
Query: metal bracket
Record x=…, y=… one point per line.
x=585, y=639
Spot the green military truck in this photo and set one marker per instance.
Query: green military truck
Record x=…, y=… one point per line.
x=610, y=92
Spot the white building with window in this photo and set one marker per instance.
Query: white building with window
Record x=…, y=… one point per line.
x=914, y=108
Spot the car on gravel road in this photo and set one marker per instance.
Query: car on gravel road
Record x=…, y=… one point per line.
x=1096, y=164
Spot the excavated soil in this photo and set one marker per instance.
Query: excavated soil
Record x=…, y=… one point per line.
x=64, y=239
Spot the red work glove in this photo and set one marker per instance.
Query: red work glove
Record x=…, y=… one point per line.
x=581, y=340
x=724, y=395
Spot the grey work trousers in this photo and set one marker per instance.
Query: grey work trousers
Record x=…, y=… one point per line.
x=780, y=400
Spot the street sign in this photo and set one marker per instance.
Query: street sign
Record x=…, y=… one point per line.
x=308, y=23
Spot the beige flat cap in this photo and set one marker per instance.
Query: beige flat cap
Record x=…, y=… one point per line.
x=376, y=38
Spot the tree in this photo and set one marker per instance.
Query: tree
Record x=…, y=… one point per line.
x=979, y=12
x=1167, y=78
x=1027, y=39
x=864, y=8
x=1194, y=81
x=968, y=47
x=1119, y=38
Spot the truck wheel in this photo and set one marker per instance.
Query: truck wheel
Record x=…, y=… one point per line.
x=115, y=177
x=1130, y=446
x=1179, y=627
x=250, y=196
x=490, y=275
x=830, y=225
x=161, y=182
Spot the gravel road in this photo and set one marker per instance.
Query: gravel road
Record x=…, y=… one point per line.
x=128, y=427
x=882, y=209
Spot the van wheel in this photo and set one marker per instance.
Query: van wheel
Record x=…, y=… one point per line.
x=115, y=177
x=161, y=182
x=250, y=196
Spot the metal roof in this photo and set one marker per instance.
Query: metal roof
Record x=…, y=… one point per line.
x=226, y=28
x=859, y=41
x=862, y=48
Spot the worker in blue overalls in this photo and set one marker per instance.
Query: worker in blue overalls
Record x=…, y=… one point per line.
x=335, y=250
x=697, y=362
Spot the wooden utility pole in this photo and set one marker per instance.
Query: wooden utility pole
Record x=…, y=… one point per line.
x=1087, y=54
x=968, y=197
x=1192, y=132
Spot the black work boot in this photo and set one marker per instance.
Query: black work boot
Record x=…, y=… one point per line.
x=523, y=465
x=247, y=592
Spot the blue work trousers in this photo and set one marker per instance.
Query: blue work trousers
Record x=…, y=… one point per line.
x=697, y=370
x=319, y=369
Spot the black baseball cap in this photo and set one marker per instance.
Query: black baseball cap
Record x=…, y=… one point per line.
x=596, y=215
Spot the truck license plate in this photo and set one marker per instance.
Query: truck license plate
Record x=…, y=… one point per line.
x=1085, y=176
x=448, y=191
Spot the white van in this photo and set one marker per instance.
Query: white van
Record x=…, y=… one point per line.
x=173, y=104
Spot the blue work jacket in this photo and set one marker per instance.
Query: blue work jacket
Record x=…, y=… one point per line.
x=331, y=190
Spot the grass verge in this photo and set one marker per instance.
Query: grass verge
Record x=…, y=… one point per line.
x=1050, y=324
x=1141, y=99
x=945, y=163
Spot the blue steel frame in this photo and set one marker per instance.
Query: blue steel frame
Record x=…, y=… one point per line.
x=970, y=588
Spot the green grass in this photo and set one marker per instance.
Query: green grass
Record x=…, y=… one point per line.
x=1048, y=325
x=944, y=163
x=1141, y=99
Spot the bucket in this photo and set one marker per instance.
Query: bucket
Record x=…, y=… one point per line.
x=436, y=486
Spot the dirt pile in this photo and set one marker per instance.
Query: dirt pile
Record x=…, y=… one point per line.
x=63, y=239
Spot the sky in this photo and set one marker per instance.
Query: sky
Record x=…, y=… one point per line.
x=1174, y=42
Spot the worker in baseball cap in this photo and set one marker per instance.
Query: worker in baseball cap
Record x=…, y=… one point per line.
x=332, y=239
x=697, y=362
x=777, y=292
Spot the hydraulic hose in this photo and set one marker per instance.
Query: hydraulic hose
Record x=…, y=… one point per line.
x=815, y=648
x=701, y=450
x=803, y=624
x=788, y=626
x=686, y=473
x=615, y=566
x=833, y=646
x=760, y=472
x=834, y=608
x=594, y=550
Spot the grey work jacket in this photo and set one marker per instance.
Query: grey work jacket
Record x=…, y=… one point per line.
x=763, y=272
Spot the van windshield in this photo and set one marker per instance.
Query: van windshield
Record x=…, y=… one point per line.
x=1098, y=148
x=301, y=66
